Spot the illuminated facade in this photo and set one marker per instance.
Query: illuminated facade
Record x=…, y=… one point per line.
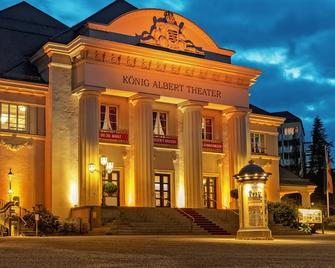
x=150, y=90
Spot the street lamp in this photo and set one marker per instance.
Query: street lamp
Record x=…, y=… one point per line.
x=107, y=168
x=10, y=191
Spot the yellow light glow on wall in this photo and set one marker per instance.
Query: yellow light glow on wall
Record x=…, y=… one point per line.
x=180, y=197
x=73, y=193
x=130, y=190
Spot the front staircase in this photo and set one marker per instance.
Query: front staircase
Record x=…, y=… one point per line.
x=203, y=222
x=159, y=221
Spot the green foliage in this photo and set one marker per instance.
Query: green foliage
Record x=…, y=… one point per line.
x=110, y=188
x=306, y=228
x=283, y=214
x=317, y=148
x=48, y=223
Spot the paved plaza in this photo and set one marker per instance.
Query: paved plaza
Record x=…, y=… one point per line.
x=167, y=251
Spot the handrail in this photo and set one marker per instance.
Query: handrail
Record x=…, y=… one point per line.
x=192, y=219
x=224, y=206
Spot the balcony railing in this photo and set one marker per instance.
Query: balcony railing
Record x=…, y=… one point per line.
x=212, y=146
x=113, y=136
x=165, y=141
x=258, y=150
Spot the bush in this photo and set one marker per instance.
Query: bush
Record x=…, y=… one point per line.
x=48, y=223
x=283, y=214
x=306, y=228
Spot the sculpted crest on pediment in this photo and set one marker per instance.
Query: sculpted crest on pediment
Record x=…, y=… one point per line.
x=166, y=32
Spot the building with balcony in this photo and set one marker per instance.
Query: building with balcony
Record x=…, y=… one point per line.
x=164, y=104
x=291, y=143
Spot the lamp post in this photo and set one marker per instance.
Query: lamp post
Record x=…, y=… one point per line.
x=252, y=203
x=10, y=191
x=107, y=168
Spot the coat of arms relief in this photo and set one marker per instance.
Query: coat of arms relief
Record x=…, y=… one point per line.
x=166, y=32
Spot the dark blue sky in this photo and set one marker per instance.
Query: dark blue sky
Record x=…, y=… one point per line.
x=291, y=41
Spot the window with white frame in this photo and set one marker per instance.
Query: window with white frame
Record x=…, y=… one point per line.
x=159, y=123
x=14, y=117
x=290, y=130
x=257, y=143
x=207, y=128
x=108, y=117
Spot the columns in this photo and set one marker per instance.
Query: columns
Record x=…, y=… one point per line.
x=89, y=183
x=239, y=141
x=142, y=140
x=191, y=148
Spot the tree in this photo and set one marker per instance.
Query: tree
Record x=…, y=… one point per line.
x=317, y=148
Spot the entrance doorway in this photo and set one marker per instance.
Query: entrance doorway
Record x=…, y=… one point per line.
x=162, y=190
x=111, y=189
x=209, y=184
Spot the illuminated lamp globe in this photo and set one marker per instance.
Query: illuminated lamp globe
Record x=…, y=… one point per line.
x=109, y=167
x=103, y=160
x=91, y=167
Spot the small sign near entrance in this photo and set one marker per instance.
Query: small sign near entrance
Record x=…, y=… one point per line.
x=309, y=215
x=113, y=137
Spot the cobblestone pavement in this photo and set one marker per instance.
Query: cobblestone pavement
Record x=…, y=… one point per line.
x=167, y=251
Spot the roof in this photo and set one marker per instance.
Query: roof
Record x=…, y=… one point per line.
x=103, y=16
x=23, y=30
x=257, y=110
x=287, y=177
x=290, y=118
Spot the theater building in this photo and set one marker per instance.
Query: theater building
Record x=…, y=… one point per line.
x=147, y=88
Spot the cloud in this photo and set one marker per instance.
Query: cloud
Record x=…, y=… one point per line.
x=270, y=56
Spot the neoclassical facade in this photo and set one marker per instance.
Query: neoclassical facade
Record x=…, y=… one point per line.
x=149, y=90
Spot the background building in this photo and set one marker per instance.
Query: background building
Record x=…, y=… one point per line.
x=291, y=143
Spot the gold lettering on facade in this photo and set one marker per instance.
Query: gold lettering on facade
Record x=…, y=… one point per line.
x=170, y=86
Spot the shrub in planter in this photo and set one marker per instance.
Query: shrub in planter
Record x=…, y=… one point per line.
x=283, y=214
x=110, y=188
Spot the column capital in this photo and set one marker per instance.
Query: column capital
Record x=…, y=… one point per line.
x=144, y=97
x=90, y=90
x=192, y=104
x=235, y=111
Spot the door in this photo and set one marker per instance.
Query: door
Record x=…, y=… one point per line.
x=209, y=186
x=162, y=190
x=111, y=189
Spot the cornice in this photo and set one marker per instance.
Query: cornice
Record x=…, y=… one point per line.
x=23, y=87
x=266, y=120
x=94, y=50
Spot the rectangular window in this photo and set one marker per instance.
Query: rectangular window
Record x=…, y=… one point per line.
x=207, y=128
x=257, y=143
x=289, y=131
x=108, y=117
x=14, y=117
x=159, y=123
